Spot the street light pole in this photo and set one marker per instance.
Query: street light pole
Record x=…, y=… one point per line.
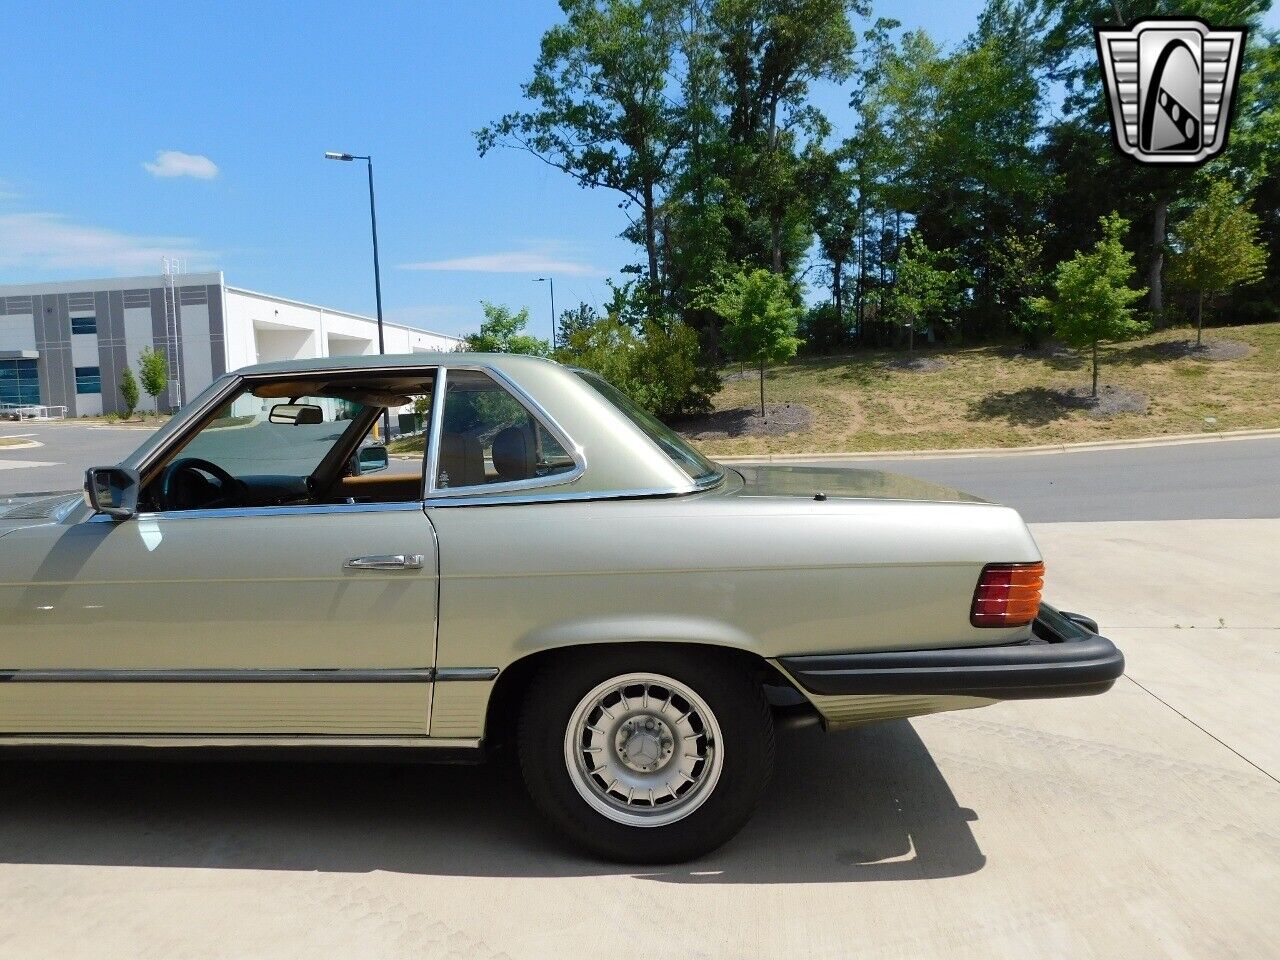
x=552, y=282
x=377, y=272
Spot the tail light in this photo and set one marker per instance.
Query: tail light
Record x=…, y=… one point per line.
x=1008, y=595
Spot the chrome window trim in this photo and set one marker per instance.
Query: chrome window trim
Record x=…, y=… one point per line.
x=431, y=457
x=482, y=491
x=566, y=496
x=191, y=415
x=285, y=510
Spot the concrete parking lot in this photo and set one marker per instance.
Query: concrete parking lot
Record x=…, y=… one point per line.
x=1143, y=823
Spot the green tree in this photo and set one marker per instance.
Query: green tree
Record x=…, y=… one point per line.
x=129, y=392
x=659, y=367
x=1092, y=300
x=154, y=373
x=760, y=318
x=599, y=106
x=575, y=318
x=1019, y=276
x=1217, y=248
x=501, y=332
x=925, y=290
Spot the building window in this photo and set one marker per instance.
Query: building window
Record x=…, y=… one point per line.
x=19, y=383
x=88, y=380
x=84, y=324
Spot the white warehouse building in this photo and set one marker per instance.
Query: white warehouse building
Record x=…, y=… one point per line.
x=66, y=344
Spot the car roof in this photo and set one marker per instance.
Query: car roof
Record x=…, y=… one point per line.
x=500, y=361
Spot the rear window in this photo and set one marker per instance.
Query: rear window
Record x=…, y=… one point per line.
x=700, y=470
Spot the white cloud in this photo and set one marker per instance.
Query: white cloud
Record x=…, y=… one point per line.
x=511, y=261
x=175, y=163
x=51, y=241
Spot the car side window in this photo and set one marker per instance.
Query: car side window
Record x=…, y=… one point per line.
x=488, y=436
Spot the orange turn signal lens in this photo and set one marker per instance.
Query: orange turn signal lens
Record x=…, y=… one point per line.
x=1008, y=595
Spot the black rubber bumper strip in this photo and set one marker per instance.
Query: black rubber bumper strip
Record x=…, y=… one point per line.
x=1031, y=670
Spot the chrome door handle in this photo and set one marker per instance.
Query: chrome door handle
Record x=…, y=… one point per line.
x=391, y=561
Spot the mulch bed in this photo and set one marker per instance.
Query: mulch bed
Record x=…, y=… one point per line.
x=917, y=364
x=779, y=420
x=1111, y=401
x=1209, y=350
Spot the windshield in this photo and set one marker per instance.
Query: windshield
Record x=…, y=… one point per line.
x=700, y=470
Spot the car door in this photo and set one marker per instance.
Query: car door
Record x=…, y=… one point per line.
x=248, y=623
x=295, y=620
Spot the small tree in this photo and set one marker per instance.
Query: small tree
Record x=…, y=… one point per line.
x=1019, y=278
x=759, y=317
x=501, y=332
x=154, y=371
x=1217, y=248
x=129, y=392
x=1092, y=299
x=924, y=288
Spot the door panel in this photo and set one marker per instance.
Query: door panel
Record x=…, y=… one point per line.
x=230, y=591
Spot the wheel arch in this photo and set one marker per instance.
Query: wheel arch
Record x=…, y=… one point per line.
x=510, y=686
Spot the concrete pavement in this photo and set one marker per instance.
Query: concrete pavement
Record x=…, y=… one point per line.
x=1136, y=824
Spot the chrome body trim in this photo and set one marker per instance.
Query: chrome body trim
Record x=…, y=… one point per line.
x=313, y=675
x=445, y=674
x=179, y=741
x=321, y=675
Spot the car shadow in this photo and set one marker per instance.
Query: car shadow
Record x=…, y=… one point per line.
x=866, y=805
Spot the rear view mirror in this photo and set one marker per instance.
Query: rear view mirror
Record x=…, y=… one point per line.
x=372, y=458
x=296, y=413
x=112, y=491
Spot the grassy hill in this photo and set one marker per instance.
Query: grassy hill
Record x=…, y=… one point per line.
x=1001, y=396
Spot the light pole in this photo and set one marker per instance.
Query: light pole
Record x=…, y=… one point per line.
x=552, y=282
x=377, y=273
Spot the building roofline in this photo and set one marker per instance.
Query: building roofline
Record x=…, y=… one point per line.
x=340, y=313
x=110, y=283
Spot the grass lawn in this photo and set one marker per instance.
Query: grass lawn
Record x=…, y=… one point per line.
x=994, y=397
x=13, y=441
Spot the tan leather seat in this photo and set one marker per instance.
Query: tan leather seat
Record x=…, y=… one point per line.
x=461, y=461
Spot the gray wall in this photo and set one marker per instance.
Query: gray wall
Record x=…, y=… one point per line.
x=51, y=317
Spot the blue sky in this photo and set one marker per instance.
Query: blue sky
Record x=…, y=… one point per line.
x=136, y=130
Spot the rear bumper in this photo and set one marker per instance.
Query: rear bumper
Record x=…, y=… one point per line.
x=1064, y=658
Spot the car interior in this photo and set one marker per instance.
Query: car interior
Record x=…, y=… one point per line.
x=320, y=441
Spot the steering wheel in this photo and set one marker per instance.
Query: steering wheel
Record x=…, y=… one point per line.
x=182, y=482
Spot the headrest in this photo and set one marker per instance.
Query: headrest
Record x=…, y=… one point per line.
x=514, y=455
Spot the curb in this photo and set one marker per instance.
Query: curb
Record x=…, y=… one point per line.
x=25, y=445
x=1040, y=450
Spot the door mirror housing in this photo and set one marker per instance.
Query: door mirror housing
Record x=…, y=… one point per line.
x=372, y=458
x=296, y=414
x=112, y=491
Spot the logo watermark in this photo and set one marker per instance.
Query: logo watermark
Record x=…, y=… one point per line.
x=1170, y=84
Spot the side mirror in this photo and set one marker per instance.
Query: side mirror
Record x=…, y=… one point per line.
x=372, y=458
x=296, y=414
x=112, y=490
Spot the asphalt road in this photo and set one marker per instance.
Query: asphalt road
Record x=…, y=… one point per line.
x=1236, y=479
x=1233, y=479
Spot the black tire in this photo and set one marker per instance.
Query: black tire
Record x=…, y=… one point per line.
x=734, y=697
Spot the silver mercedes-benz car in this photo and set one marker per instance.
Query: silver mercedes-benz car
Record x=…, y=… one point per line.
x=534, y=561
